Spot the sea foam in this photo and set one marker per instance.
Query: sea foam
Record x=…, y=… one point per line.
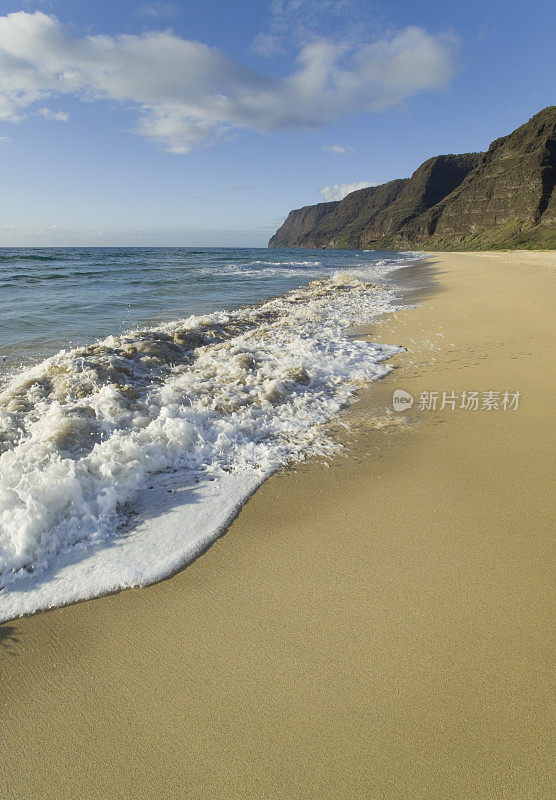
x=122, y=460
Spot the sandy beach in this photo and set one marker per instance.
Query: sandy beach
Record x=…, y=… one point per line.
x=374, y=627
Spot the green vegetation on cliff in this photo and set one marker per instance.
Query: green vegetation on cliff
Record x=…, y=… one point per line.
x=503, y=198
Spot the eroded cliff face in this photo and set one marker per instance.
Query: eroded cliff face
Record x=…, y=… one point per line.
x=501, y=198
x=434, y=179
x=300, y=222
x=355, y=213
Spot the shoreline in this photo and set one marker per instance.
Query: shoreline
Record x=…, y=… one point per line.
x=410, y=281
x=377, y=627
x=165, y=529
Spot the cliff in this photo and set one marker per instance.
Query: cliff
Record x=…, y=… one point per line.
x=501, y=198
x=299, y=223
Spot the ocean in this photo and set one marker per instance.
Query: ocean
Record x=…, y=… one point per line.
x=145, y=393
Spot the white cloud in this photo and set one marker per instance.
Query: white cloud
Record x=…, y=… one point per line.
x=267, y=45
x=300, y=21
x=48, y=113
x=338, y=148
x=158, y=9
x=189, y=95
x=339, y=190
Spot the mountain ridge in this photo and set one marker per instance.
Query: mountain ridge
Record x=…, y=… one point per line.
x=501, y=198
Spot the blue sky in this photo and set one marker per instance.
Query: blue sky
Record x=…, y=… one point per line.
x=189, y=123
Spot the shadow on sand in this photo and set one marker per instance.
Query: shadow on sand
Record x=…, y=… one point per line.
x=7, y=635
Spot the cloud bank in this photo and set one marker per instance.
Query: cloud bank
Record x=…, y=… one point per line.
x=339, y=190
x=188, y=94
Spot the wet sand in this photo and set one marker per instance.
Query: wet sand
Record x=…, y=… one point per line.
x=378, y=627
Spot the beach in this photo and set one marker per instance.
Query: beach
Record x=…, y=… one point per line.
x=372, y=626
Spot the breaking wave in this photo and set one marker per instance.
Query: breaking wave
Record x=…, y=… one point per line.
x=226, y=397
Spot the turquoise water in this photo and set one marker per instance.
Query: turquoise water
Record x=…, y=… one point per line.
x=55, y=298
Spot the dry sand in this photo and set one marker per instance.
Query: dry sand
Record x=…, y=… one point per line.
x=378, y=628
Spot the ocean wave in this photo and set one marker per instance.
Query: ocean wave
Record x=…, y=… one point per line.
x=287, y=263
x=264, y=269
x=12, y=258
x=221, y=395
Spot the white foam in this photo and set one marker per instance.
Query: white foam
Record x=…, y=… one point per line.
x=211, y=404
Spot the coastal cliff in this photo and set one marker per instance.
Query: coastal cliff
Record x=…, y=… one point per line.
x=503, y=198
